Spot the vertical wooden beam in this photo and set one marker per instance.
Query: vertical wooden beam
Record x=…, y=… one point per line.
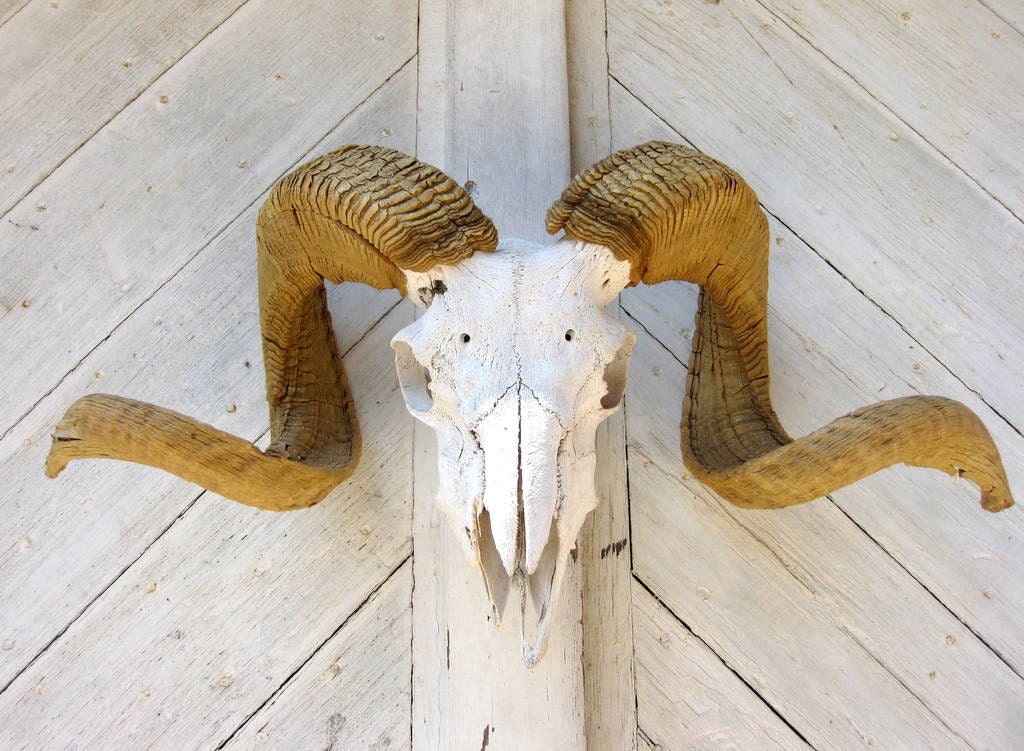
x=604, y=547
x=493, y=114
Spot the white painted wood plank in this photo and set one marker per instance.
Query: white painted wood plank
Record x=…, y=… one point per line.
x=161, y=180
x=967, y=558
x=606, y=563
x=9, y=8
x=900, y=223
x=230, y=601
x=66, y=68
x=1010, y=11
x=831, y=351
x=605, y=558
x=765, y=624
x=688, y=699
x=470, y=686
x=470, y=101
x=848, y=606
x=587, y=54
x=953, y=71
x=354, y=693
x=193, y=347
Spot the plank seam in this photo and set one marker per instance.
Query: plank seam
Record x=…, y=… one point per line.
x=722, y=660
x=995, y=13
x=646, y=330
x=227, y=225
x=19, y=10
x=162, y=532
x=629, y=502
x=882, y=105
x=145, y=87
x=922, y=702
x=924, y=586
x=647, y=738
x=100, y=594
x=291, y=677
x=412, y=453
x=729, y=510
x=868, y=297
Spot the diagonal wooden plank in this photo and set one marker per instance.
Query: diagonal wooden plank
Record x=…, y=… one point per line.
x=858, y=589
x=160, y=180
x=687, y=698
x=779, y=633
x=1009, y=11
x=968, y=559
x=230, y=601
x=898, y=222
x=10, y=8
x=67, y=68
x=193, y=347
x=954, y=72
x=354, y=692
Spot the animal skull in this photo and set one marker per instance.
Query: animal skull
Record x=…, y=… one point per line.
x=513, y=362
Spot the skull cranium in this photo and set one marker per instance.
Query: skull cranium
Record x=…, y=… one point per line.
x=514, y=364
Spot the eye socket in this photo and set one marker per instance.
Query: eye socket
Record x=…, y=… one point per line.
x=465, y=338
x=615, y=375
x=570, y=335
x=413, y=377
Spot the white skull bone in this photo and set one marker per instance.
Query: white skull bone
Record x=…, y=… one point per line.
x=514, y=364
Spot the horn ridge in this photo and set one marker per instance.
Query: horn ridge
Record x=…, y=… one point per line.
x=675, y=213
x=360, y=213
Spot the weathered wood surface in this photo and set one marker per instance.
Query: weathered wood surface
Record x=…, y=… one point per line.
x=953, y=72
x=159, y=181
x=208, y=378
x=213, y=371
x=887, y=584
x=470, y=686
x=354, y=693
x=10, y=8
x=688, y=698
x=56, y=97
x=890, y=614
x=605, y=555
x=888, y=213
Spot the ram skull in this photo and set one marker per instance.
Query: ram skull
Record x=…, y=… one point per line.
x=513, y=362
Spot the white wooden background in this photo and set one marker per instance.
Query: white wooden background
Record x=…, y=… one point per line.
x=137, y=139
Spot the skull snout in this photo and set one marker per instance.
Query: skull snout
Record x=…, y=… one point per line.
x=520, y=440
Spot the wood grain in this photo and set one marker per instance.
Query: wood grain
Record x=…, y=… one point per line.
x=470, y=687
x=688, y=697
x=954, y=72
x=886, y=213
x=83, y=529
x=154, y=187
x=67, y=68
x=820, y=325
x=604, y=548
x=157, y=662
x=354, y=692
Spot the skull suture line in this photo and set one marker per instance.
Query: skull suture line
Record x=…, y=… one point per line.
x=523, y=364
x=514, y=364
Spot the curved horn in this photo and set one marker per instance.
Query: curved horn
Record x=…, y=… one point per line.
x=675, y=213
x=361, y=213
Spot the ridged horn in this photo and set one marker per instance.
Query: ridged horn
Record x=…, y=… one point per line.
x=675, y=213
x=362, y=214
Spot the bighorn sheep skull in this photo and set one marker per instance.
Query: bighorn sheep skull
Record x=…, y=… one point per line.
x=514, y=364
x=516, y=389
